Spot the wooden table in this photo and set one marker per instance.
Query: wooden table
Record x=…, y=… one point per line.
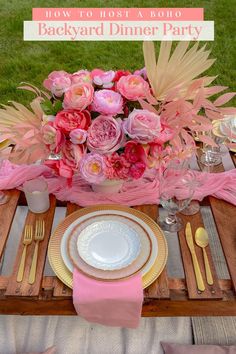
x=165, y=297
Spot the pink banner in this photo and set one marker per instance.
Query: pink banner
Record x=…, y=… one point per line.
x=118, y=14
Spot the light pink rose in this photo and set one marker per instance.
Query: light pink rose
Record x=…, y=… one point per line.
x=107, y=102
x=52, y=137
x=103, y=78
x=81, y=76
x=105, y=135
x=133, y=87
x=92, y=168
x=78, y=136
x=79, y=96
x=58, y=82
x=142, y=126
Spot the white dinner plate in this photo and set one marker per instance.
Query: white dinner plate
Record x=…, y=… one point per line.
x=154, y=246
x=108, y=245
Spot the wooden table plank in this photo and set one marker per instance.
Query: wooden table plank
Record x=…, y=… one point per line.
x=212, y=291
x=159, y=288
x=24, y=289
x=7, y=212
x=225, y=219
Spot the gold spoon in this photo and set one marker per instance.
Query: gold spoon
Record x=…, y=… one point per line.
x=202, y=240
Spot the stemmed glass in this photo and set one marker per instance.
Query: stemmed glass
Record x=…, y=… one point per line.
x=212, y=155
x=176, y=191
x=4, y=197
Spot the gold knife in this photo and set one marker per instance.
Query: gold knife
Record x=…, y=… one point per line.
x=198, y=275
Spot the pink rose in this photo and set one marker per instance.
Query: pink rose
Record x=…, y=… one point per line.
x=52, y=137
x=117, y=167
x=107, y=102
x=78, y=136
x=92, y=168
x=79, y=96
x=81, y=76
x=105, y=135
x=142, y=126
x=72, y=154
x=71, y=119
x=134, y=152
x=103, y=78
x=58, y=82
x=133, y=87
x=137, y=170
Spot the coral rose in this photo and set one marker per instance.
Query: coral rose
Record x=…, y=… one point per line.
x=105, y=135
x=58, y=82
x=133, y=87
x=142, y=126
x=78, y=96
x=107, y=102
x=71, y=119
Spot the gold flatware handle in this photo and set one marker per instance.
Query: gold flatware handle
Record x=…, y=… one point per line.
x=34, y=265
x=198, y=274
x=207, y=267
x=22, y=266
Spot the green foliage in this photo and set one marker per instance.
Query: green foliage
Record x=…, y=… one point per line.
x=33, y=61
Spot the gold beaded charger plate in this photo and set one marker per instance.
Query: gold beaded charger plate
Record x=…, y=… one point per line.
x=54, y=248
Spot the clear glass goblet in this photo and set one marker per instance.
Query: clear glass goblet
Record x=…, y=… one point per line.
x=212, y=155
x=176, y=191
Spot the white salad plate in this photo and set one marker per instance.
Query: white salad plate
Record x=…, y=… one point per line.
x=108, y=245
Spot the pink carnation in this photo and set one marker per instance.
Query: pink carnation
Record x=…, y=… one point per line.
x=133, y=87
x=117, y=167
x=142, y=126
x=79, y=96
x=107, y=102
x=58, y=82
x=105, y=135
x=92, y=168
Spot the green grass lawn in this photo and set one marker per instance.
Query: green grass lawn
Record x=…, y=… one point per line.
x=32, y=61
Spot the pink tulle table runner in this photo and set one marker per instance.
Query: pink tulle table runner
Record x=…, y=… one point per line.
x=144, y=191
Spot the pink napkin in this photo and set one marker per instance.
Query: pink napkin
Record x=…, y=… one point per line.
x=117, y=304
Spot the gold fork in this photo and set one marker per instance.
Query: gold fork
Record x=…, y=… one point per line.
x=28, y=236
x=39, y=236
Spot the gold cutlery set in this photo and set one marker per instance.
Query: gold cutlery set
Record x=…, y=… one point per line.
x=27, y=240
x=201, y=239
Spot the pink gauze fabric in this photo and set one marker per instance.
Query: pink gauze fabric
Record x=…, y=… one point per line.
x=144, y=191
x=117, y=304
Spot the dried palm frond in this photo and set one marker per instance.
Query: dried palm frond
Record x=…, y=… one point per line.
x=176, y=70
x=22, y=128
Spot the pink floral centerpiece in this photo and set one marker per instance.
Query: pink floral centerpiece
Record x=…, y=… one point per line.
x=112, y=126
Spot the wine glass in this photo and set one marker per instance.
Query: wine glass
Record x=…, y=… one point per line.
x=176, y=191
x=212, y=155
x=4, y=197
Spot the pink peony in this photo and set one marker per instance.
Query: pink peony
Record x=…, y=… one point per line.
x=103, y=78
x=79, y=96
x=134, y=152
x=142, y=126
x=71, y=119
x=58, y=82
x=117, y=167
x=81, y=76
x=92, y=168
x=105, y=135
x=133, y=87
x=107, y=102
x=137, y=170
x=78, y=136
x=52, y=137
x=72, y=154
